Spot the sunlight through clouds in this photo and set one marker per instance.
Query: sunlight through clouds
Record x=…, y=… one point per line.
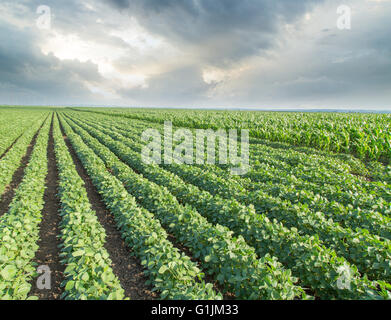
x=250, y=53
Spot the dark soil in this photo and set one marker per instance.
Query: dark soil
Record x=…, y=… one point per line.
x=126, y=267
x=49, y=253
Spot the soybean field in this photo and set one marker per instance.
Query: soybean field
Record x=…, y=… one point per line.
x=84, y=216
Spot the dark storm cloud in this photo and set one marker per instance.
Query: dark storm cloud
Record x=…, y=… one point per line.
x=347, y=68
x=74, y=17
x=353, y=67
x=222, y=30
x=322, y=64
x=33, y=76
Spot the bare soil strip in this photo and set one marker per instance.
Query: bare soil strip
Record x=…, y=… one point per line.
x=126, y=267
x=49, y=253
x=9, y=148
x=17, y=177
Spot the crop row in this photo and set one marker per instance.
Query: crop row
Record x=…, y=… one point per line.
x=356, y=214
x=363, y=135
x=171, y=272
x=11, y=161
x=351, y=215
x=19, y=228
x=230, y=260
x=285, y=156
x=358, y=210
x=343, y=189
x=88, y=273
x=368, y=252
x=12, y=126
x=315, y=265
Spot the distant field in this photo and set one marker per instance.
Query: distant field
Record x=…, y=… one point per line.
x=309, y=218
x=366, y=136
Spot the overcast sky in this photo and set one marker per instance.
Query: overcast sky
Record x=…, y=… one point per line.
x=196, y=53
